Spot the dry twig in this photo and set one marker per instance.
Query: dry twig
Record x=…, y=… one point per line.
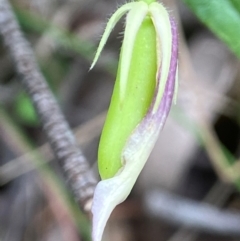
x=72, y=161
x=192, y=214
x=85, y=133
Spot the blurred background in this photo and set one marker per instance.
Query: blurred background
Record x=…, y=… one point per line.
x=189, y=188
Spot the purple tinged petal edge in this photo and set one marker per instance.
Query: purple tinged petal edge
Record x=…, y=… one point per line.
x=165, y=105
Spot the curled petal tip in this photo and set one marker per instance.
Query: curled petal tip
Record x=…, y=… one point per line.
x=110, y=25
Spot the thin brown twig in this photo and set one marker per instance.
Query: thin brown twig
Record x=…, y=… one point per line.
x=63, y=143
x=62, y=216
x=85, y=133
x=217, y=196
x=13, y=138
x=197, y=216
x=220, y=192
x=201, y=118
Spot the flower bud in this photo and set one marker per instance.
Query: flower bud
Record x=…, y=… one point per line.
x=140, y=103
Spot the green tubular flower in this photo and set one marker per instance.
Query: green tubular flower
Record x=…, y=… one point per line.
x=126, y=111
x=140, y=103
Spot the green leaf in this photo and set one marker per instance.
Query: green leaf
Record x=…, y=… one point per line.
x=222, y=17
x=236, y=4
x=25, y=111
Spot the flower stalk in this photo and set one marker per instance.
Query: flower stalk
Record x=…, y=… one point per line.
x=141, y=100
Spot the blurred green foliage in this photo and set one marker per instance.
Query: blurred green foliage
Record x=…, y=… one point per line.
x=24, y=110
x=236, y=4
x=55, y=183
x=222, y=17
x=57, y=65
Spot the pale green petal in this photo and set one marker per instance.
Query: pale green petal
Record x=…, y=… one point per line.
x=162, y=25
x=110, y=192
x=134, y=20
x=110, y=25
